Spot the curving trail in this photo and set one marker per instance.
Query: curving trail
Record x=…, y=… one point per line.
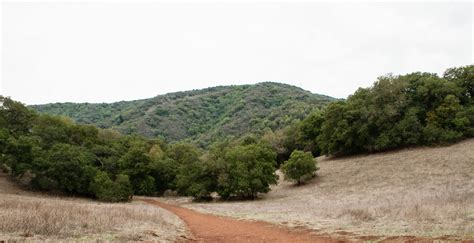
x=211, y=228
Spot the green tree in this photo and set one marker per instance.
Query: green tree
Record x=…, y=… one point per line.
x=105, y=189
x=65, y=167
x=300, y=167
x=183, y=153
x=198, y=180
x=246, y=171
x=136, y=164
x=463, y=77
x=15, y=117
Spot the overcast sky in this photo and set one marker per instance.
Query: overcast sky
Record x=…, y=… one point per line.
x=84, y=52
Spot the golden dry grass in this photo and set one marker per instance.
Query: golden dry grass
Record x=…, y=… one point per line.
x=422, y=191
x=30, y=216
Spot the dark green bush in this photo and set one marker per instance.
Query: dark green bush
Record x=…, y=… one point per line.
x=300, y=167
x=246, y=170
x=105, y=189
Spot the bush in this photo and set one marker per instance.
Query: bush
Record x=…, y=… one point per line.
x=197, y=180
x=67, y=168
x=105, y=189
x=300, y=167
x=247, y=170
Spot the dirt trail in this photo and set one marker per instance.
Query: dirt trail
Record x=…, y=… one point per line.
x=211, y=228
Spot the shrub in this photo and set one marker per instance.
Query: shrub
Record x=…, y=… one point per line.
x=105, y=189
x=300, y=167
x=197, y=180
x=246, y=170
x=67, y=168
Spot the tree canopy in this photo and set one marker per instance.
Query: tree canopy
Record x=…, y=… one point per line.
x=200, y=117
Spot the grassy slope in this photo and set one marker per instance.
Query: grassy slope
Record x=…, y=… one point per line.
x=420, y=191
x=26, y=215
x=199, y=115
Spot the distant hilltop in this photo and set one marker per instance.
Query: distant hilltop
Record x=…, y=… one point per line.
x=202, y=116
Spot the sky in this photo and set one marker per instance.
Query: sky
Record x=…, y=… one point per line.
x=106, y=52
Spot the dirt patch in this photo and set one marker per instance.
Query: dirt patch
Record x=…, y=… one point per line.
x=210, y=228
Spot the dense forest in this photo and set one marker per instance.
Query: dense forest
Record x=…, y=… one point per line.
x=397, y=111
x=199, y=116
x=54, y=153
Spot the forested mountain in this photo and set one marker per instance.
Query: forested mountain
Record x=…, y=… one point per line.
x=55, y=154
x=201, y=116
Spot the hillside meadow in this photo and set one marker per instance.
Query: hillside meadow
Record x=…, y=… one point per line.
x=427, y=192
x=34, y=216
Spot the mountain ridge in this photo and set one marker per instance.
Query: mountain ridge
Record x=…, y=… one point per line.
x=200, y=115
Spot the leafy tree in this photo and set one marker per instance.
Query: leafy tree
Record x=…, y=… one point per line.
x=15, y=117
x=247, y=170
x=105, y=189
x=67, y=168
x=399, y=111
x=183, y=153
x=136, y=163
x=443, y=124
x=300, y=167
x=463, y=77
x=310, y=129
x=164, y=173
x=19, y=153
x=198, y=180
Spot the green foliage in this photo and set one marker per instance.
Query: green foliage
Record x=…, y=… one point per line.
x=246, y=170
x=248, y=131
x=398, y=111
x=15, y=117
x=65, y=167
x=197, y=179
x=300, y=167
x=199, y=116
x=183, y=153
x=105, y=189
x=59, y=155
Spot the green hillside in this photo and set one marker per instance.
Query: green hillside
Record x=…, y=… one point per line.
x=201, y=116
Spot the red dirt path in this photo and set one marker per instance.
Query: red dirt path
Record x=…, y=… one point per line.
x=211, y=228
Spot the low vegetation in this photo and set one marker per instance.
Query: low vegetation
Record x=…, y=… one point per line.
x=38, y=217
x=56, y=218
x=300, y=167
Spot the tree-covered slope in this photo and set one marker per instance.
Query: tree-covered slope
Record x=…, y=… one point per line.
x=202, y=116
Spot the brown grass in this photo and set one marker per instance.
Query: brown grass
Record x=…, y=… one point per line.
x=41, y=217
x=422, y=191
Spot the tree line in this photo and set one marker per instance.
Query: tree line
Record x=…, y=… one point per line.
x=396, y=112
x=53, y=153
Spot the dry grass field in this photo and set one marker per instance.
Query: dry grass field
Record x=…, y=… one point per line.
x=427, y=192
x=30, y=216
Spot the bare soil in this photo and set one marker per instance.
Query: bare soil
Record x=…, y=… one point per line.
x=211, y=228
